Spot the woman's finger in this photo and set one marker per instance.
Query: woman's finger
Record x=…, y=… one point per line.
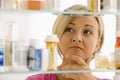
x=74, y=67
x=81, y=76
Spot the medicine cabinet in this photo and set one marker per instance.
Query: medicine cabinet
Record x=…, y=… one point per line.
x=38, y=24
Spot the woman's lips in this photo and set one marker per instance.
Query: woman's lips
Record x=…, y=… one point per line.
x=76, y=48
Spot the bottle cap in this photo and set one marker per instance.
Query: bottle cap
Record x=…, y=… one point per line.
x=35, y=43
x=52, y=38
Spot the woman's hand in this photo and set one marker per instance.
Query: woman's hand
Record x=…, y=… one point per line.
x=74, y=62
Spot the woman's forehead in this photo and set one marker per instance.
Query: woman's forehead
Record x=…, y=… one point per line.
x=85, y=18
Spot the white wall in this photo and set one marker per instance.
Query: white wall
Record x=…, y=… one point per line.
x=22, y=19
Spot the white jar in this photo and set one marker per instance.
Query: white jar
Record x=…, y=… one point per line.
x=104, y=60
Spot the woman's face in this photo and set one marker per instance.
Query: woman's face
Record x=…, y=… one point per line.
x=80, y=37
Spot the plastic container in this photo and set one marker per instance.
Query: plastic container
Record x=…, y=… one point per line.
x=109, y=5
x=51, y=45
x=93, y=5
x=45, y=59
x=117, y=58
x=53, y=4
x=12, y=46
x=36, y=4
x=102, y=5
x=34, y=55
x=104, y=60
x=21, y=56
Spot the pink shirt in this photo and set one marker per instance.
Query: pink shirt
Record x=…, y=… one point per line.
x=48, y=77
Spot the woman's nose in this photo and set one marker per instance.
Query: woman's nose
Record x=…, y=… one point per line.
x=77, y=37
x=76, y=40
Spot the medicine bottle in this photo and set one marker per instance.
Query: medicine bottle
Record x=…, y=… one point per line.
x=36, y=4
x=34, y=55
x=51, y=45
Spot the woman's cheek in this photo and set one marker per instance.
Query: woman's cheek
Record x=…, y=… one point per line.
x=65, y=39
x=64, y=43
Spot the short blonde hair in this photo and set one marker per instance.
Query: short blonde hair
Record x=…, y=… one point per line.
x=64, y=19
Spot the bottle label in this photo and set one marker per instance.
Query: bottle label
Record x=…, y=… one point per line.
x=1, y=57
x=34, y=58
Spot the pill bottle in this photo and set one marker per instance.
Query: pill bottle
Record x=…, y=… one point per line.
x=51, y=45
x=93, y=5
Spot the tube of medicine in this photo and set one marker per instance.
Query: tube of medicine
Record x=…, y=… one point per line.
x=51, y=44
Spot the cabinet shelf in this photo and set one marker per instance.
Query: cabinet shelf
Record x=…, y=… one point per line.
x=61, y=12
x=60, y=72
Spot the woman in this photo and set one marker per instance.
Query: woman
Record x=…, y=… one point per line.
x=81, y=36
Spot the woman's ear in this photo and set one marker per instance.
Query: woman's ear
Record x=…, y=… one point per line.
x=98, y=45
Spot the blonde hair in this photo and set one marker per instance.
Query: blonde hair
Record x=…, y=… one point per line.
x=64, y=19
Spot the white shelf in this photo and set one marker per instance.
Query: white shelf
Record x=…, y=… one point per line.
x=60, y=12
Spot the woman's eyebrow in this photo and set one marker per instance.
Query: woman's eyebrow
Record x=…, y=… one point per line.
x=71, y=23
x=89, y=25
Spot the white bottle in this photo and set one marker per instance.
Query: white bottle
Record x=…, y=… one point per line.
x=22, y=52
x=53, y=4
x=109, y=6
x=8, y=47
x=12, y=47
x=34, y=55
x=45, y=59
x=15, y=47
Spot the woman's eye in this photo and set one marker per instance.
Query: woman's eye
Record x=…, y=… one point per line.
x=88, y=32
x=68, y=30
